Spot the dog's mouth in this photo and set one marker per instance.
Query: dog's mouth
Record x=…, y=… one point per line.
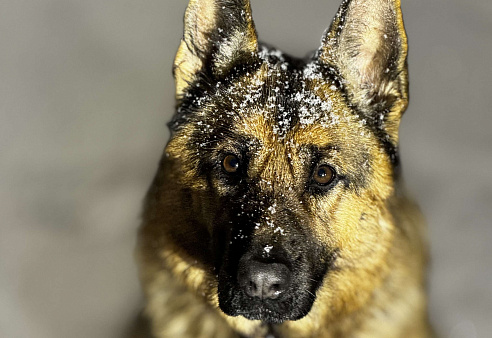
x=267, y=313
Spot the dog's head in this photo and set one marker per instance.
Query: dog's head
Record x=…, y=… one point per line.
x=278, y=169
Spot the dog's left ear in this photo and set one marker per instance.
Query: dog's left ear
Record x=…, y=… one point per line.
x=367, y=44
x=218, y=34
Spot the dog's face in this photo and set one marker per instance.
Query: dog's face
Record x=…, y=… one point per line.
x=285, y=165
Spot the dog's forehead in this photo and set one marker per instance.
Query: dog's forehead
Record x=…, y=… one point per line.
x=278, y=101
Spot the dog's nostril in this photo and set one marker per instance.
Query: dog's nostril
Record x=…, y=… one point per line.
x=263, y=280
x=252, y=289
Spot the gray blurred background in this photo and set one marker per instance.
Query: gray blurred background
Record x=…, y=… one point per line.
x=85, y=93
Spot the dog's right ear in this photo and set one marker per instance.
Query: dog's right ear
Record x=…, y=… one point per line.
x=217, y=35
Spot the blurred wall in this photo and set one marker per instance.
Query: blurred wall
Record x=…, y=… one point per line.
x=86, y=91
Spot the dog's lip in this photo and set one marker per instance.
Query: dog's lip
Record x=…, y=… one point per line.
x=263, y=314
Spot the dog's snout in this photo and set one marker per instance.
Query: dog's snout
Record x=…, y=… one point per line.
x=263, y=280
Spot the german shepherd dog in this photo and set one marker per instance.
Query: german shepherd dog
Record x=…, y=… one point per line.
x=278, y=209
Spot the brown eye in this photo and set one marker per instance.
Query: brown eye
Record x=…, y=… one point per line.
x=323, y=174
x=230, y=164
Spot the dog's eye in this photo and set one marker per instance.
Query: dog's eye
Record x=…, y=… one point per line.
x=323, y=174
x=230, y=164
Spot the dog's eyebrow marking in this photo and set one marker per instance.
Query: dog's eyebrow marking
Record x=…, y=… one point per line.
x=319, y=154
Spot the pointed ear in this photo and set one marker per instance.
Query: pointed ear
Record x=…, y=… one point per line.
x=368, y=45
x=217, y=35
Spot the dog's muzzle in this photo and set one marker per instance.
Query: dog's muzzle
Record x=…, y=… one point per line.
x=272, y=288
x=264, y=274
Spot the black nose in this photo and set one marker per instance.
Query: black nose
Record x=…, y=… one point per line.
x=263, y=280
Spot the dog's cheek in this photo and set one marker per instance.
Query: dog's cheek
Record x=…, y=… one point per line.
x=357, y=229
